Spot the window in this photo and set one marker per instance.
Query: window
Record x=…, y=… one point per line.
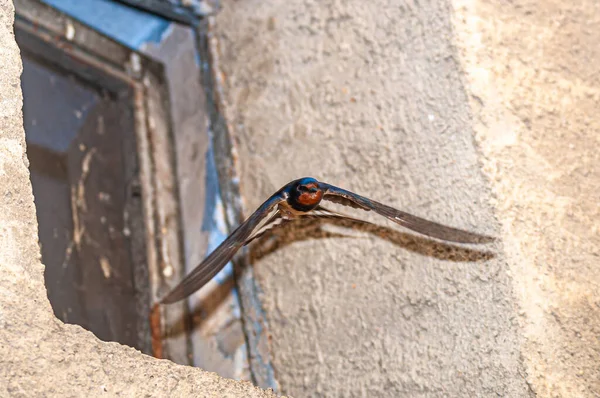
x=127, y=180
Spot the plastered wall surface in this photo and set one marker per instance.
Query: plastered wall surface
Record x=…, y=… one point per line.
x=481, y=115
x=39, y=355
x=532, y=73
x=370, y=96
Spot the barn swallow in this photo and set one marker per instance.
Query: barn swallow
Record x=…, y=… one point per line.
x=302, y=198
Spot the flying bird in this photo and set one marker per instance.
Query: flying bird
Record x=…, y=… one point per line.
x=303, y=198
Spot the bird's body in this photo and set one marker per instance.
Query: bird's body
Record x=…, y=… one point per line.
x=303, y=198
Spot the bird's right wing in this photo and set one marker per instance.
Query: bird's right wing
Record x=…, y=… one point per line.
x=216, y=260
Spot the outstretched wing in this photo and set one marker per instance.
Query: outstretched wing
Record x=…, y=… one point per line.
x=417, y=224
x=322, y=213
x=275, y=221
x=224, y=253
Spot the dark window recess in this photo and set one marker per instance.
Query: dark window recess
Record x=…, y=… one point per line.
x=82, y=152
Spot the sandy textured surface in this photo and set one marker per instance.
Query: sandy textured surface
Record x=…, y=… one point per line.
x=370, y=96
x=478, y=114
x=39, y=355
x=534, y=76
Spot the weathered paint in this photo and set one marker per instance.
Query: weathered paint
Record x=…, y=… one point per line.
x=182, y=11
x=254, y=320
x=127, y=25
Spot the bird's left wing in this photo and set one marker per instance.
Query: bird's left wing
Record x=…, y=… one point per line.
x=216, y=260
x=417, y=224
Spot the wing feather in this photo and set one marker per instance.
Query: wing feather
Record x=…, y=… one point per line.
x=417, y=224
x=216, y=260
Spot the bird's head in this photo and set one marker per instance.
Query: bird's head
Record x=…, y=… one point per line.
x=305, y=194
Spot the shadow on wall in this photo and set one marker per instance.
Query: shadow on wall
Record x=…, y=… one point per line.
x=313, y=228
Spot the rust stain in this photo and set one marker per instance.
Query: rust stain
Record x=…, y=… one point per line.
x=155, y=330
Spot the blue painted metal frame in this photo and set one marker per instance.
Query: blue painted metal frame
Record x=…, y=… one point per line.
x=129, y=26
x=253, y=315
x=177, y=10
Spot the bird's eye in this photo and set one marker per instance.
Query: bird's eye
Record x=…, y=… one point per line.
x=302, y=188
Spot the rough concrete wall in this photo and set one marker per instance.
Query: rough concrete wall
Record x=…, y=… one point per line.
x=39, y=355
x=532, y=72
x=369, y=96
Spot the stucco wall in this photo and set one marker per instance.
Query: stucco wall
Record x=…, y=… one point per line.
x=532, y=72
x=39, y=355
x=369, y=96
x=477, y=114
